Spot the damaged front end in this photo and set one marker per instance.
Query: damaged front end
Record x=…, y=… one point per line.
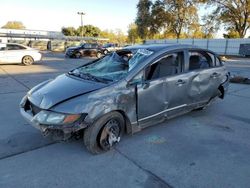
x=59, y=126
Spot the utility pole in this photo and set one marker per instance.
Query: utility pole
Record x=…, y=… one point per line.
x=81, y=14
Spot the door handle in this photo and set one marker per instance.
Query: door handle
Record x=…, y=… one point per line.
x=180, y=82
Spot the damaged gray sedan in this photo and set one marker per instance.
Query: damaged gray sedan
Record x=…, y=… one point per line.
x=124, y=92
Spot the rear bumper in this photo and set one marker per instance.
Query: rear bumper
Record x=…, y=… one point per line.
x=37, y=57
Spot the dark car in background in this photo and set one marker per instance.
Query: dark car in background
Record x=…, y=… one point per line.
x=87, y=49
x=126, y=91
x=111, y=47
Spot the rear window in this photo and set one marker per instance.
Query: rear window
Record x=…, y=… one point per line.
x=201, y=60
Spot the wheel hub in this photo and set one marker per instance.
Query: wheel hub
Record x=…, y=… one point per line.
x=110, y=134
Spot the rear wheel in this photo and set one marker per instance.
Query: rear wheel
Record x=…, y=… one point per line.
x=27, y=60
x=104, y=133
x=98, y=54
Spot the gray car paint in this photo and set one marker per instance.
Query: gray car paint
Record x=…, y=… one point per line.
x=61, y=88
x=141, y=106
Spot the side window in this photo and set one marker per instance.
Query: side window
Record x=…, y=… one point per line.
x=87, y=45
x=14, y=47
x=167, y=66
x=200, y=60
x=94, y=45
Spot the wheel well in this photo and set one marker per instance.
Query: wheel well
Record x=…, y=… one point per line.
x=128, y=126
x=222, y=91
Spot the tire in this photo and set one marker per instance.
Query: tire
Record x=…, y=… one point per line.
x=94, y=136
x=105, y=52
x=27, y=60
x=98, y=55
x=78, y=55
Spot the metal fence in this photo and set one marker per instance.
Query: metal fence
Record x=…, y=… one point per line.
x=220, y=46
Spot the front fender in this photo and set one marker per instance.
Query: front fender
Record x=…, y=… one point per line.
x=100, y=102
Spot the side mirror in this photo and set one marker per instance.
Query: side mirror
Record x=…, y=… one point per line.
x=134, y=82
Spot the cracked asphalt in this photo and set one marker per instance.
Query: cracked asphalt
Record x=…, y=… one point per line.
x=208, y=148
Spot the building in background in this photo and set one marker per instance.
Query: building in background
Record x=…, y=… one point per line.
x=44, y=40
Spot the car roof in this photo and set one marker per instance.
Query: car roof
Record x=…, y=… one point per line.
x=12, y=44
x=159, y=47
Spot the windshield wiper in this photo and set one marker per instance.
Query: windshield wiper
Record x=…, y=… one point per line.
x=92, y=77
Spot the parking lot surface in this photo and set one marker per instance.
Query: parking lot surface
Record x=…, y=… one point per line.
x=208, y=148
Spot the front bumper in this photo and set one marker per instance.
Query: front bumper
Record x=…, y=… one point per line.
x=62, y=132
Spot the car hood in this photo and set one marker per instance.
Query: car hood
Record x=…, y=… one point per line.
x=63, y=87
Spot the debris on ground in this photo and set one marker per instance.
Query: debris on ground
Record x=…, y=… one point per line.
x=240, y=80
x=156, y=140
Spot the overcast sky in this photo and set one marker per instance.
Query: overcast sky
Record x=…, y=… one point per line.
x=54, y=14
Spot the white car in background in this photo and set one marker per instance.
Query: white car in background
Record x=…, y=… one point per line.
x=17, y=53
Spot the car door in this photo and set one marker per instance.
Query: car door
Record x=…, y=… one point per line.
x=15, y=53
x=208, y=75
x=94, y=49
x=85, y=50
x=162, y=90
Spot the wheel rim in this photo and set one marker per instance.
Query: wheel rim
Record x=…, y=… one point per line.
x=110, y=134
x=98, y=55
x=27, y=60
x=78, y=55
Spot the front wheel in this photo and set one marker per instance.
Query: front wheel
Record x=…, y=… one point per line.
x=104, y=133
x=78, y=55
x=27, y=60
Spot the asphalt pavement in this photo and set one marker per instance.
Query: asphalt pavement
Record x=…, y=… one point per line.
x=208, y=148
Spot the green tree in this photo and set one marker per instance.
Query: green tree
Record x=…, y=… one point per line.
x=14, y=25
x=116, y=36
x=133, y=36
x=210, y=26
x=231, y=34
x=69, y=31
x=120, y=37
x=233, y=14
x=181, y=14
x=159, y=17
x=89, y=31
x=143, y=19
x=195, y=31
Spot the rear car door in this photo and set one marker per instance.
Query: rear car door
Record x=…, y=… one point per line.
x=15, y=53
x=163, y=89
x=209, y=73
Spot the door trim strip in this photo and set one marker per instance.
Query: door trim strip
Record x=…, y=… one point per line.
x=159, y=113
